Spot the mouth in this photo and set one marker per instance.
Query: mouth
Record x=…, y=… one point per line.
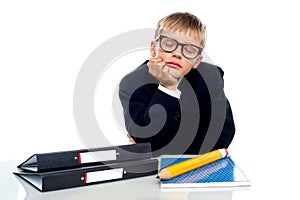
x=173, y=65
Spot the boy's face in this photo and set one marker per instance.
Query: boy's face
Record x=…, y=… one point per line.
x=182, y=59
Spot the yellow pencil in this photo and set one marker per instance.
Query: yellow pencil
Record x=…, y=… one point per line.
x=191, y=164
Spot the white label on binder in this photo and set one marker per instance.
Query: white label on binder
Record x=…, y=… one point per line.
x=103, y=175
x=97, y=156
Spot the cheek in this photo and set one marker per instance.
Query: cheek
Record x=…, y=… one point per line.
x=186, y=68
x=164, y=55
x=191, y=63
x=184, y=71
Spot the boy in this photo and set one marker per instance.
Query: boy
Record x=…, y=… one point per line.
x=175, y=101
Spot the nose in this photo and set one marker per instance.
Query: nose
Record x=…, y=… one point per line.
x=177, y=53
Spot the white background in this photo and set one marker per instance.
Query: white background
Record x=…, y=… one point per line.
x=44, y=44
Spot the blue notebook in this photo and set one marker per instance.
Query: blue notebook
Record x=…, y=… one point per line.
x=222, y=173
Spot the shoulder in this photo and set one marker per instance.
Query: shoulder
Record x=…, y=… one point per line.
x=141, y=70
x=207, y=69
x=207, y=75
x=208, y=72
x=138, y=77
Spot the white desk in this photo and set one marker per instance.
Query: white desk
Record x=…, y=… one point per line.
x=140, y=188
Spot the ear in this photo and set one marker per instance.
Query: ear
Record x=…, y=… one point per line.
x=153, y=49
x=197, y=62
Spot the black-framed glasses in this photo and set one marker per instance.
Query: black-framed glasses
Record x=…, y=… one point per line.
x=169, y=45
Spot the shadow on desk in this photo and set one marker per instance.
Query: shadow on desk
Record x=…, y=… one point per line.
x=145, y=188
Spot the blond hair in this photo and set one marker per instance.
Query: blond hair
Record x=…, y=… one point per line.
x=183, y=22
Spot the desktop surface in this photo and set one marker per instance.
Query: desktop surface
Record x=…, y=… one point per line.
x=138, y=188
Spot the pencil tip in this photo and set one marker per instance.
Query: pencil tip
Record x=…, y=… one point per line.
x=157, y=177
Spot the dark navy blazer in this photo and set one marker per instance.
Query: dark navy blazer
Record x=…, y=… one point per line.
x=200, y=121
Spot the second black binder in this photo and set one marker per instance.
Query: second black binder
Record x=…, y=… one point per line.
x=63, y=179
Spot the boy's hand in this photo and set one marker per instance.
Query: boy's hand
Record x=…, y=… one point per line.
x=130, y=139
x=168, y=77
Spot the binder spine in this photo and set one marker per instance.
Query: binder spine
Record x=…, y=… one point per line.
x=63, y=181
x=84, y=157
x=80, y=177
x=57, y=160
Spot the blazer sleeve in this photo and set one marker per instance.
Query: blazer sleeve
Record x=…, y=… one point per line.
x=223, y=112
x=148, y=112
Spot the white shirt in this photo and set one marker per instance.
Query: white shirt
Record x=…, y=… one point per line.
x=174, y=93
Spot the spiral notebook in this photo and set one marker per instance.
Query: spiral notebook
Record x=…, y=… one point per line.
x=222, y=173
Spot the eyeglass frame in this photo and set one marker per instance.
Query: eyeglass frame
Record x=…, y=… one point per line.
x=160, y=37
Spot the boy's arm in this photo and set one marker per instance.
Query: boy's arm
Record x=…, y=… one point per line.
x=223, y=112
x=143, y=110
